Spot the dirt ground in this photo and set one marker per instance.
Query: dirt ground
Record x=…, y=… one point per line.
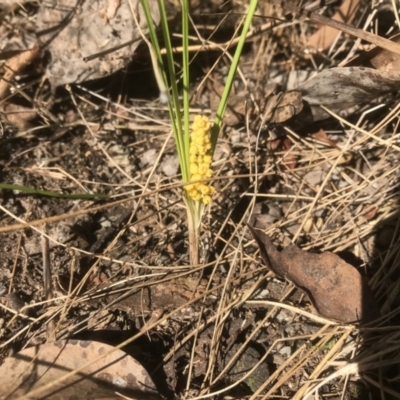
x=120, y=265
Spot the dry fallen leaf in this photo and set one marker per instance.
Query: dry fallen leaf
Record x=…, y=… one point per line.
x=380, y=59
x=14, y=65
x=82, y=29
x=280, y=108
x=326, y=35
x=36, y=366
x=368, y=213
x=289, y=160
x=343, y=87
x=322, y=137
x=336, y=289
x=19, y=116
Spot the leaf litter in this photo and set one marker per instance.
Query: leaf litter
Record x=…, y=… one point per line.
x=120, y=270
x=335, y=288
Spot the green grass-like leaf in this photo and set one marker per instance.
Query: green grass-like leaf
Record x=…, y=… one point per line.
x=231, y=75
x=180, y=127
x=48, y=193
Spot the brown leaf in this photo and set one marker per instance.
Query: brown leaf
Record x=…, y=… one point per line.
x=279, y=108
x=18, y=115
x=326, y=35
x=380, y=59
x=14, y=65
x=385, y=60
x=336, y=289
x=37, y=366
x=369, y=213
x=322, y=137
x=284, y=144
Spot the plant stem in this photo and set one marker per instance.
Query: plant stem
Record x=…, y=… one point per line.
x=194, y=211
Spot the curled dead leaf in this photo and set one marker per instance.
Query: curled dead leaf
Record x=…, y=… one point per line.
x=336, y=289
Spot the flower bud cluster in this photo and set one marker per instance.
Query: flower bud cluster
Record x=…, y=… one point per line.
x=200, y=160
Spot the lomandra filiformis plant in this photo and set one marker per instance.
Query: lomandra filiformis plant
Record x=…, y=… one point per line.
x=195, y=144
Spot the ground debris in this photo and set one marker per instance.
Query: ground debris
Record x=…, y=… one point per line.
x=336, y=289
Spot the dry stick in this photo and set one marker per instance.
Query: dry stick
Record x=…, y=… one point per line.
x=268, y=316
x=86, y=322
x=293, y=365
x=371, y=362
x=219, y=321
x=334, y=351
x=371, y=135
x=215, y=340
x=14, y=268
x=289, y=367
x=235, y=304
x=340, y=26
x=47, y=284
x=395, y=12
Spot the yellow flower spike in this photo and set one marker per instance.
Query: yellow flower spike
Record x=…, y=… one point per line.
x=200, y=121
x=206, y=199
x=201, y=150
x=194, y=192
x=194, y=168
x=200, y=160
x=193, y=150
x=205, y=189
x=200, y=141
x=200, y=132
x=196, y=177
